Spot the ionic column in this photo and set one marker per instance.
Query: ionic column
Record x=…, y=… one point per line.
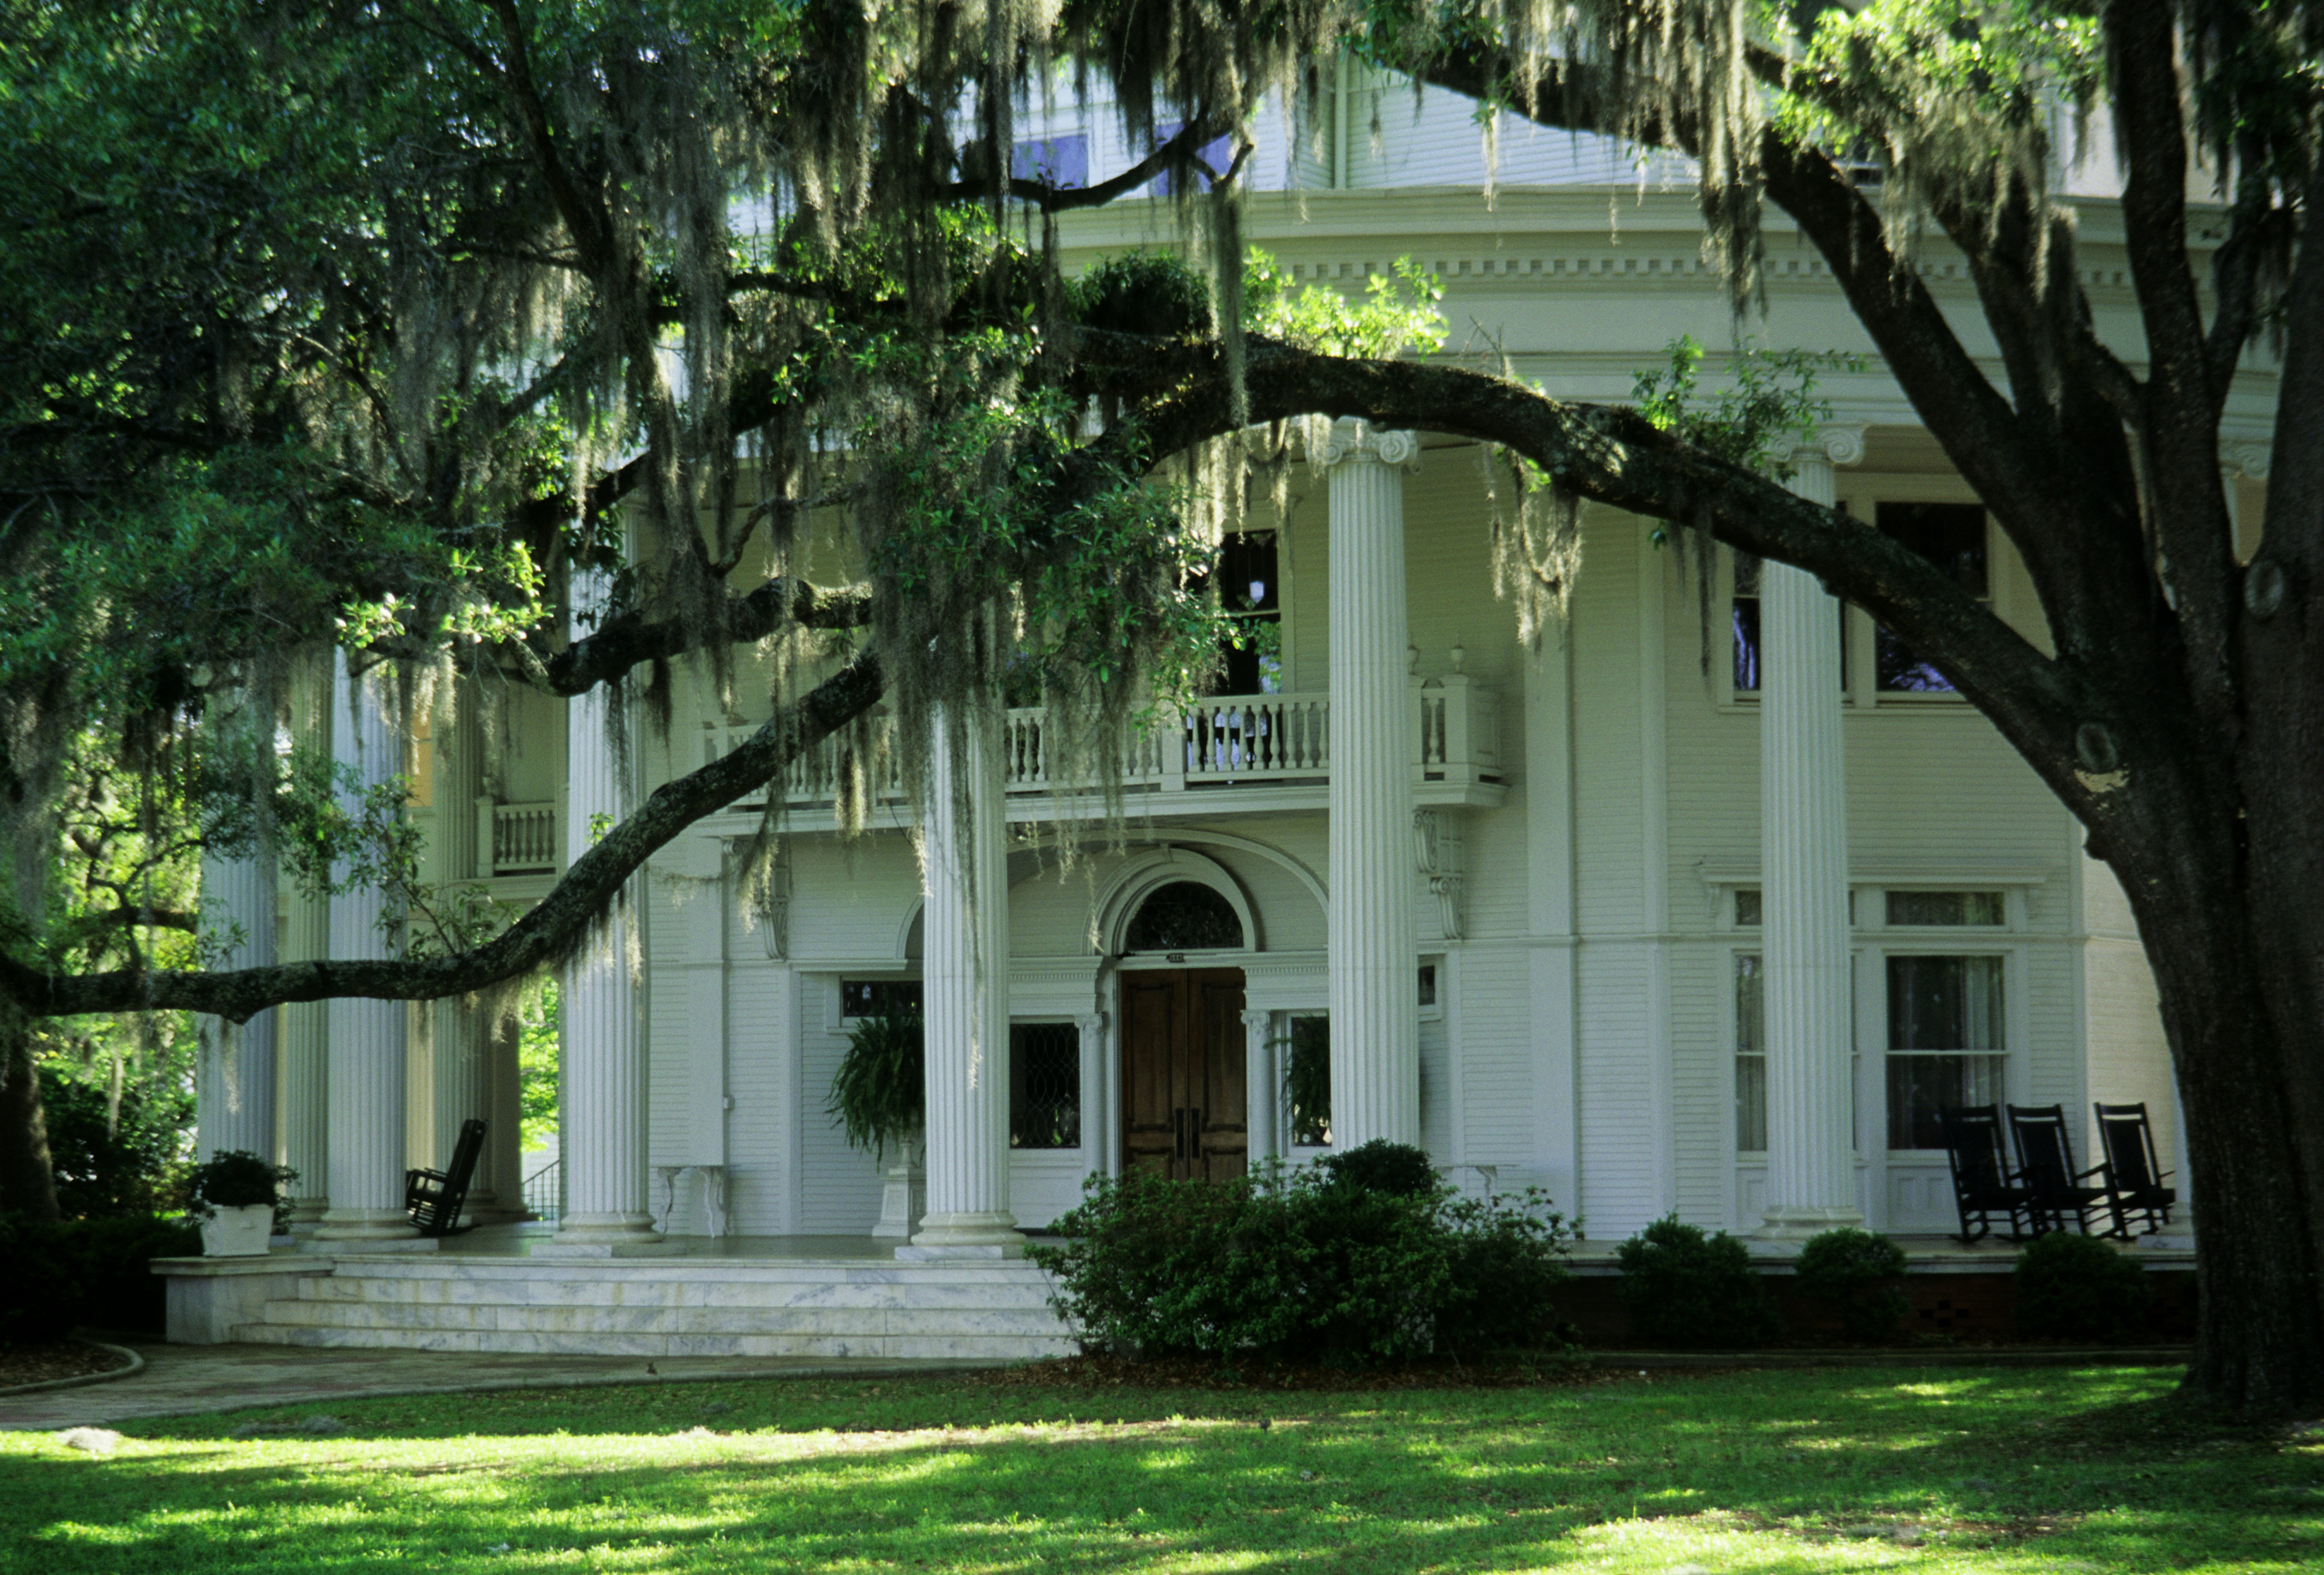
x=1803, y=878
x=234, y=1094
x=965, y=999
x=602, y=1085
x=1374, y=985
x=304, y=1103
x=367, y=1051
x=1264, y=1085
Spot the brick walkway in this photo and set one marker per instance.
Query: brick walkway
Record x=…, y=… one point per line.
x=182, y=1379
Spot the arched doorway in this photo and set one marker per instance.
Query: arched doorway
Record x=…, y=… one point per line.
x=1186, y=1095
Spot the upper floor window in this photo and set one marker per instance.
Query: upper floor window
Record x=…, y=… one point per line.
x=1743, y=618
x=1218, y=154
x=1056, y=160
x=1950, y=536
x=1250, y=593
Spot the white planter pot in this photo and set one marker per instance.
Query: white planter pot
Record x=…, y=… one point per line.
x=904, y=1197
x=241, y=1231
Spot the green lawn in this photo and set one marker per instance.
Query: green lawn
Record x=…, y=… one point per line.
x=2053, y=1469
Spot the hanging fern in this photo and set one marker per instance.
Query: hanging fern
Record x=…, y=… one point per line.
x=880, y=1093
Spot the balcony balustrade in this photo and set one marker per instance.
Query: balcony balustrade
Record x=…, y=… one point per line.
x=1206, y=752
x=516, y=839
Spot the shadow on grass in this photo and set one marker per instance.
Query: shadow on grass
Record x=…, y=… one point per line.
x=1772, y=1471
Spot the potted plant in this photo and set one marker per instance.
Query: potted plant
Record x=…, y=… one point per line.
x=235, y=1195
x=878, y=1097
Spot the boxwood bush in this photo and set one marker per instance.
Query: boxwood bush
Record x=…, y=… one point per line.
x=1318, y=1264
x=1859, y=1278
x=1693, y=1291
x=2077, y=1287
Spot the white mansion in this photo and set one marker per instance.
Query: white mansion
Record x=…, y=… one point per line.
x=1705, y=907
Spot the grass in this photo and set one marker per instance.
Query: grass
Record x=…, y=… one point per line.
x=1922, y=1470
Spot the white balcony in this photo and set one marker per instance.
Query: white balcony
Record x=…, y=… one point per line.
x=1232, y=753
x=516, y=839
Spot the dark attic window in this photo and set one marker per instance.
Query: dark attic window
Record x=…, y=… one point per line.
x=1185, y=917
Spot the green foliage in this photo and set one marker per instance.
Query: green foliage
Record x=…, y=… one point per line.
x=235, y=1178
x=2081, y=1288
x=1143, y=292
x=1307, y=1078
x=1304, y=1267
x=86, y=1271
x=1398, y=1169
x=1690, y=1291
x=539, y=1058
x=125, y=1161
x=1854, y=1275
x=1398, y=312
x=879, y=1095
x=1772, y=405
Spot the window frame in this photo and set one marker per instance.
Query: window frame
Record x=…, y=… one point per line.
x=1861, y=694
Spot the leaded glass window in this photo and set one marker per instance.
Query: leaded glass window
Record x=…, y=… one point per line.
x=1185, y=916
x=1045, y=1085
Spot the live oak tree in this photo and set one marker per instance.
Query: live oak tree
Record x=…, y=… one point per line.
x=363, y=321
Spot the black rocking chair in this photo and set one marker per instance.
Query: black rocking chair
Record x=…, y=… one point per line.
x=434, y=1198
x=2135, y=1175
x=1983, y=1186
x=2056, y=1191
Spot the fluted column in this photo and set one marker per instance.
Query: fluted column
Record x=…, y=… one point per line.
x=965, y=997
x=302, y=1053
x=234, y=1094
x=603, y=1087
x=367, y=1052
x=1374, y=983
x=1804, y=878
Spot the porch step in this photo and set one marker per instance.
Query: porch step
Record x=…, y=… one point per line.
x=968, y=1311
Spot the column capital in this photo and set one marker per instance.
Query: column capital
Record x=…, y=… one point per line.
x=2245, y=457
x=1257, y=1020
x=1354, y=439
x=1834, y=442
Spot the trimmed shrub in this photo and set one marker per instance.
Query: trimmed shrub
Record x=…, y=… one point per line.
x=1693, y=1291
x=1855, y=1275
x=1306, y=1266
x=118, y=1290
x=89, y=1272
x=41, y=1294
x=1398, y=1169
x=2077, y=1287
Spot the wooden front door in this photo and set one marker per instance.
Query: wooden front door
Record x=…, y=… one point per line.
x=1185, y=1106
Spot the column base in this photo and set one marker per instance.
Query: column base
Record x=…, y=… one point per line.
x=605, y=1236
x=367, y=1230
x=991, y=1234
x=1798, y=1221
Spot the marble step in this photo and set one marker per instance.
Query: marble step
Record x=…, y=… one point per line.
x=639, y=1290
x=965, y=1322
x=984, y=1347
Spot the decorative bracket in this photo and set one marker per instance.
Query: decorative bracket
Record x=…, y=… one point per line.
x=1437, y=845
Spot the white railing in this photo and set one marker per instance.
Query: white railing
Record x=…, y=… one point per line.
x=516, y=839
x=1225, y=740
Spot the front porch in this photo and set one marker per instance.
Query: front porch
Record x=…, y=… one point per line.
x=775, y=1296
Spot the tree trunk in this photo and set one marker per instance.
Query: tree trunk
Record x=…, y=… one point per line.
x=2259, y=1343
x=28, y=1184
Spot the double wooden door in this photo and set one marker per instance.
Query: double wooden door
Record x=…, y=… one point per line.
x=1185, y=1096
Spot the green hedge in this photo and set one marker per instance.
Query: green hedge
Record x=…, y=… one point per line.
x=86, y=1271
x=1318, y=1264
